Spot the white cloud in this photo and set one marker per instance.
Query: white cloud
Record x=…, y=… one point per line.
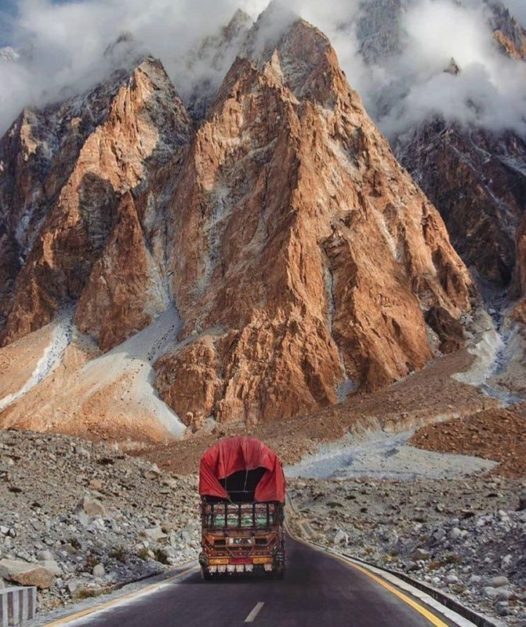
x=490, y=89
x=63, y=44
x=67, y=42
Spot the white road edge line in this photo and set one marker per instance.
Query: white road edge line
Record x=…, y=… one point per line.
x=253, y=614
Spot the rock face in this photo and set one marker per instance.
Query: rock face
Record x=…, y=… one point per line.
x=508, y=33
x=476, y=178
x=282, y=294
x=65, y=172
x=302, y=259
x=478, y=181
x=520, y=311
x=26, y=574
x=124, y=291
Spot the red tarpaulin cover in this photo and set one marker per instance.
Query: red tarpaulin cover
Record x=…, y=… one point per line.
x=241, y=453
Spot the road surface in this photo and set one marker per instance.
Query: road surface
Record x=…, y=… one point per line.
x=318, y=591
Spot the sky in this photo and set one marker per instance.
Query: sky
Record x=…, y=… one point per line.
x=7, y=8
x=62, y=45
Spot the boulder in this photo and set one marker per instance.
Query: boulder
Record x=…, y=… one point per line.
x=498, y=582
x=45, y=556
x=96, y=485
x=340, y=537
x=490, y=592
x=502, y=608
x=92, y=508
x=455, y=533
x=26, y=574
x=421, y=554
x=99, y=571
x=504, y=594
x=52, y=566
x=153, y=534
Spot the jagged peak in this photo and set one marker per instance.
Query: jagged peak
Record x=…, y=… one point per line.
x=294, y=52
x=240, y=21
x=268, y=30
x=453, y=67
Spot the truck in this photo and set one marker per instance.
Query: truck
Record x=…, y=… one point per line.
x=242, y=490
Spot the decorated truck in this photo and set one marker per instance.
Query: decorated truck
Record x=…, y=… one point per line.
x=242, y=489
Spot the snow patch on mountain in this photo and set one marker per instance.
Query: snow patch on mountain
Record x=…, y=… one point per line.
x=132, y=362
x=51, y=358
x=383, y=456
x=485, y=346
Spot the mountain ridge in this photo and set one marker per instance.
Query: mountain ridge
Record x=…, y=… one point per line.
x=258, y=233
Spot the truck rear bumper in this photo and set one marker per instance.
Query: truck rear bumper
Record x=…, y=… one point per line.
x=229, y=569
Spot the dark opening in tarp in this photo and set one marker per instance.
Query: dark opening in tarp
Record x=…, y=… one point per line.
x=241, y=467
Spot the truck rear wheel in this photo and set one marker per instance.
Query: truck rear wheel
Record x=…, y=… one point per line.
x=205, y=575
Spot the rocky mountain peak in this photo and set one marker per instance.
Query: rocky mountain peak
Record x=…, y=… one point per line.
x=240, y=23
x=268, y=29
x=212, y=59
x=453, y=68
x=302, y=195
x=301, y=258
x=59, y=201
x=509, y=34
x=125, y=52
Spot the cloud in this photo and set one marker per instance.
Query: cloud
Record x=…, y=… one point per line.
x=62, y=47
x=490, y=90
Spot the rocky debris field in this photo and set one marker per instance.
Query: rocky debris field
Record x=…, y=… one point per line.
x=464, y=537
x=79, y=519
x=495, y=434
x=428, y=395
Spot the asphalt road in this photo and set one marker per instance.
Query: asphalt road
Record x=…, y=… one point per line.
x=318, y=591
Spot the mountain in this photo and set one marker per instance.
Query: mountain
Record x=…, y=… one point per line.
x=65, y=206
x=475, y=176
x=478, y=181
x=520, y=311
x=281, y=282
x=302, y=260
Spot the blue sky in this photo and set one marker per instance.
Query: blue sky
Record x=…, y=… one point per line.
x=7, y=9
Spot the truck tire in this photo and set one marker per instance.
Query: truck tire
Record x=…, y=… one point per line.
x=205, y=575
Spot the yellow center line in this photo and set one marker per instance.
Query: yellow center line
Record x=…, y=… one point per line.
x=125, y=597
